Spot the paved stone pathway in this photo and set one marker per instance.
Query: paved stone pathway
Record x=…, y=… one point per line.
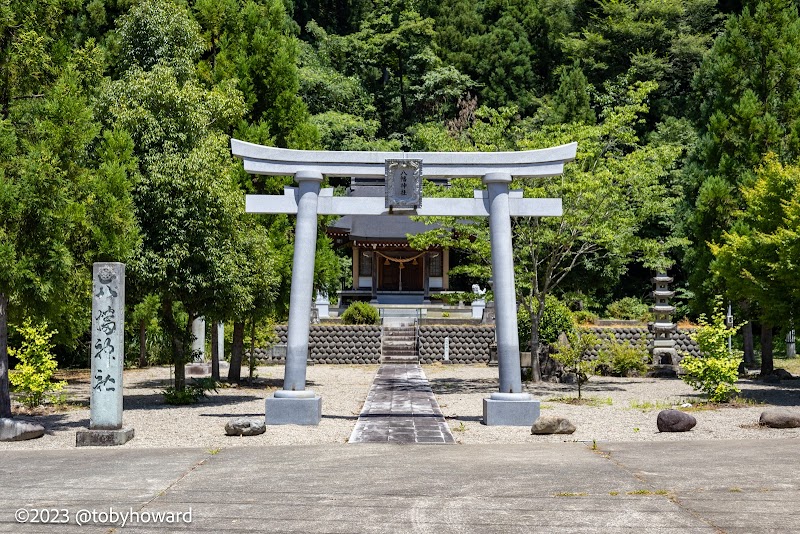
x=401, y=408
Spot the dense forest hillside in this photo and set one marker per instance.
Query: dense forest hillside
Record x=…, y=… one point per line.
x=116, y=116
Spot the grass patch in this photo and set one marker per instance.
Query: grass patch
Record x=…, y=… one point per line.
x=735, y=490
x=585, y=401
x=571, y=494
x=736, y=402
x=613, y=493
x=648, y=492
x=790, y=364
x=60, y=404
x=647, y=406
x=460, y=428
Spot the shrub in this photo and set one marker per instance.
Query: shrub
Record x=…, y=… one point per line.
x=32, y=376
x=556, y=319
x=629, y=309
x=576, y=358
x=361, y=313
x=192, y=393
x=716, y=370
x=624, y=358
x=584, y=317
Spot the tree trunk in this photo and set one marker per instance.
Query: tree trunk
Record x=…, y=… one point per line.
x=215, y=350
x=5, y=391
x=235, y=370
x=536, y=320
x=749, y=352
x=177, y=339
x=766, y=350
x=142, y=344
x=252, y=350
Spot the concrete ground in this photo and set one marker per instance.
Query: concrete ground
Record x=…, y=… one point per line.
x=694, y=486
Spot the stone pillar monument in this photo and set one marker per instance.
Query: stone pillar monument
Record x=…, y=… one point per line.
x=509, y=406
x=323, y=304
x=294, y=404
x=107, y=358
x=199, y=341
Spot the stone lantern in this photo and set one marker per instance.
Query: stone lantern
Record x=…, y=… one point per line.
x=664, y=352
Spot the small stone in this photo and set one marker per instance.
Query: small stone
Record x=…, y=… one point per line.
x=245, y=427
x=568, y=378
x=675, y=421
x=780, y=418
x=16, y=430
x=552, y=424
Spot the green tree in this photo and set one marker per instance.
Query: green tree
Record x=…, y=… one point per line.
x=659, y=40
x=187, y=200
x=259, y=276
x=618, y=186
x=252, y=44
x=507, y=57
x=390, y=53
x=65, y=202
x=751, y=256
x=750, y=105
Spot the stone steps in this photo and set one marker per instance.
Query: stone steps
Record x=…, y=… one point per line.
x=399, y=344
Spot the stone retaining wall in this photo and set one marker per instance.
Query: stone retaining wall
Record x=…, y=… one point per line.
x=633, y=335
x=359, y=344
x=468, y=344
x=334, y=344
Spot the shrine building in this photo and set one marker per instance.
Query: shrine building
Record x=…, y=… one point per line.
x=385, y=267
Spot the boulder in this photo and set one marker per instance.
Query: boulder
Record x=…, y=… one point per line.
x=552, y=424
x=675, y=421
x=780, y=418
x=245, y=427
x=16, y=430
x=783, y=374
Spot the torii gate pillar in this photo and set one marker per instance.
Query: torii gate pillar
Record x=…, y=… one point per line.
x=509, y=406
x=295, y=404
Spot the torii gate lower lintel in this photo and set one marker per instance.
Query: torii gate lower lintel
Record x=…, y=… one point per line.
x=297, y=405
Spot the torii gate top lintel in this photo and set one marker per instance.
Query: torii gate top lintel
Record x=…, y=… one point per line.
x=260, y=159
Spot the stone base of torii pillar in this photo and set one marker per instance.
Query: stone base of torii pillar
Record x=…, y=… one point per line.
x=293, y=408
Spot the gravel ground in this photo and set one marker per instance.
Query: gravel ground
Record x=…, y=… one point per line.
x=458, y=388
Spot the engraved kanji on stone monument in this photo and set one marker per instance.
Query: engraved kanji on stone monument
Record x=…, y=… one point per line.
x=108, y=352
x=107, y=357
x=404, y=183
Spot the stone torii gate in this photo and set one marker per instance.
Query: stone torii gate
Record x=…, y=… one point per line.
x=295, y=404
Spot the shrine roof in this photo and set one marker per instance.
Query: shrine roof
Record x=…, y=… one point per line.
x=378, y=227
